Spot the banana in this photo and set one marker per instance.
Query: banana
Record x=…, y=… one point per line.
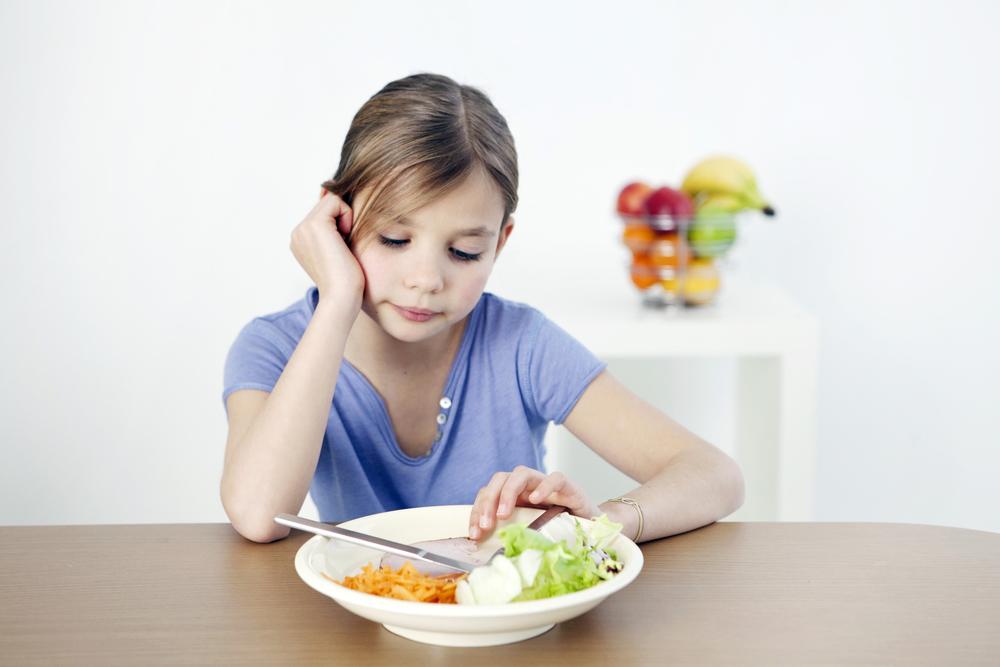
x=718, y=204
x=724, y=175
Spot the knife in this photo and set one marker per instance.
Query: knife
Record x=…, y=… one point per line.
x=365, y=540
x=547, y=516
x=405, y=550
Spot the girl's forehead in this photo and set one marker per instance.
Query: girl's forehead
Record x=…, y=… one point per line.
x=460, y=228
x=474, y=203
x=476, y=195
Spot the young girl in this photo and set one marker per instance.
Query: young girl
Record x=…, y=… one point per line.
x=397, y=382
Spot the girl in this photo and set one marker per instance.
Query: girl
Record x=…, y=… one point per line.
x=397, y=382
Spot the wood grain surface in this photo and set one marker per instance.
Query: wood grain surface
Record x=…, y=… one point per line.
x=730, y=593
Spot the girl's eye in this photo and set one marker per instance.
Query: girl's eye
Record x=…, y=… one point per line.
x=392, y=243
x=456, y=253
x=465, y=256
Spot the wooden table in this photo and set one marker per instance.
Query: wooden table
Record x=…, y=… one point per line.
x=746, y=593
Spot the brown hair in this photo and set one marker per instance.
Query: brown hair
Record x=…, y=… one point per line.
x=415, y=140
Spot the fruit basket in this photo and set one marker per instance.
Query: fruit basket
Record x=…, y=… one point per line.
x=677, y=239
x=673, y=260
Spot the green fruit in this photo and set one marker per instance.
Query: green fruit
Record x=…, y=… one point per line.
x=712, y=235
x=713, y=232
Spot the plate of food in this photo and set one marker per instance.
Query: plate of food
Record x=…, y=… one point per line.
x=543, y=577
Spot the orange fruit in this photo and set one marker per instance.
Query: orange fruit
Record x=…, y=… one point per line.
x=637, y=236
x=669, y=249
x=644, y=273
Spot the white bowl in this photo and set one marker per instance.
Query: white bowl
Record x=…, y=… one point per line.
x=447, y=624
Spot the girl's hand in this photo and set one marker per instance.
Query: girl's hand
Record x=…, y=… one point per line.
x=319, y=248
x=527, y=487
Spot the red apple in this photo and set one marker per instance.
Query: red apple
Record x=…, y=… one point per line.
x=667, y=201
x=632, y=196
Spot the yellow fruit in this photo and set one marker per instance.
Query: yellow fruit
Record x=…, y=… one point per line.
x=717, y=204
x=725, y=175
x=719, y=175
x=699, y=285
x=701, y=282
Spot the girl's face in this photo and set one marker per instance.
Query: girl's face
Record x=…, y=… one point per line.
x=425, y=273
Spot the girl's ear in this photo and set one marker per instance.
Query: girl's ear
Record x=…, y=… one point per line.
x=505, y=232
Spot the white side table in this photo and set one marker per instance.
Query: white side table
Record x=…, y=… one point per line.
x=774, y=342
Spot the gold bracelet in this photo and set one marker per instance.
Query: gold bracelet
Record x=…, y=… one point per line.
x=638, y=510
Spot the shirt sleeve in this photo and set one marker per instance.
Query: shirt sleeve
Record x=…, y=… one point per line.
x=255, y=360
x=556, y=369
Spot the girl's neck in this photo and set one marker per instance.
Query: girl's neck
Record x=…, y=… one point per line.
x=372, y=350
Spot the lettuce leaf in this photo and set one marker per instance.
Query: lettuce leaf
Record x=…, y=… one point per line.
x=564, y=567
x=517, y=537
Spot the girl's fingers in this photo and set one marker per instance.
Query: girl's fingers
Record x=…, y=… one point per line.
x=491, y=497
x=474, y=515
x=485, y=507
x=522, y=486
x=554, y=483
x=520, y=480
x=334, y=209
x=344, y=217
x=556, y=489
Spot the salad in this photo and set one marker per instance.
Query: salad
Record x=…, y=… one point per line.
x=565, y=556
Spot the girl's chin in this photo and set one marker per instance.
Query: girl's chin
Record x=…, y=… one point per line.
x=413, y=336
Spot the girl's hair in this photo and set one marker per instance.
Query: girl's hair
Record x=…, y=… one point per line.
x=415, y=140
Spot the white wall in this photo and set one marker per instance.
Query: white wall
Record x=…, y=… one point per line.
x=156, y=156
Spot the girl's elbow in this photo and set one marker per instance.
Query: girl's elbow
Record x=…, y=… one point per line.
x=260, y=531
x=735, y=486
x=252, y=523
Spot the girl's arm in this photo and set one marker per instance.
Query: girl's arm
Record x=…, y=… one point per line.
x=685, y=482
x=275, y=438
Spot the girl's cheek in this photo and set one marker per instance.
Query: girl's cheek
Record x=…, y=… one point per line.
x=472, y=286
x=374, y=268
x=379, y=266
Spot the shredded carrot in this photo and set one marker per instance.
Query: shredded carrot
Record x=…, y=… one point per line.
x=406, y=583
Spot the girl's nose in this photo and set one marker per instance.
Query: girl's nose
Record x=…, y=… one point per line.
x=426, y=276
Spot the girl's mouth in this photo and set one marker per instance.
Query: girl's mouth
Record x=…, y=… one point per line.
x=415, y=314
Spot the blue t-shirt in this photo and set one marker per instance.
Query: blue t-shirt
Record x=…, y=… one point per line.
x=515, y=371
